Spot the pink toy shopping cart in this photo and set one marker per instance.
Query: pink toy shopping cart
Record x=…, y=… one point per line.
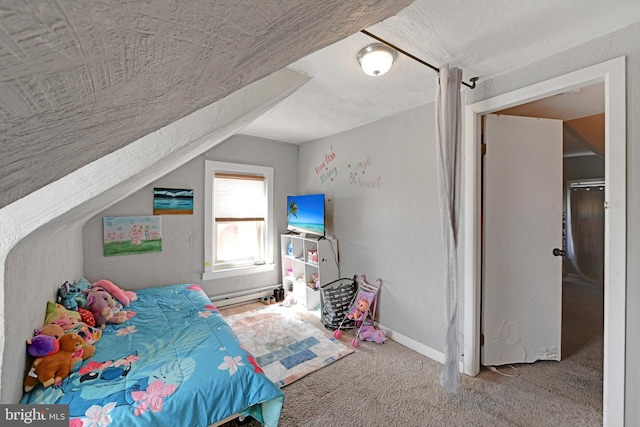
x=362, y=310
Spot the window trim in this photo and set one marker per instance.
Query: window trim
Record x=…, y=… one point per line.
x=211, y=168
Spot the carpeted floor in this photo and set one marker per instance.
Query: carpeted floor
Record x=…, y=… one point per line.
x=391, y=385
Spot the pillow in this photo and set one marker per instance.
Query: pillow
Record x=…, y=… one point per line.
x=86, y=316
x=89, y=334
x=122, y=296
x=83, y=283
x=57, y=314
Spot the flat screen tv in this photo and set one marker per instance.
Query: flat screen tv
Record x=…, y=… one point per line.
x=305, y=213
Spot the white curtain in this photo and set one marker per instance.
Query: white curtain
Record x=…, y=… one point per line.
x=585, y=232
x=449, y=158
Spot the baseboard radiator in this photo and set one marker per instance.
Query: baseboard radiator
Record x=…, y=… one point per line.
x=241, y=297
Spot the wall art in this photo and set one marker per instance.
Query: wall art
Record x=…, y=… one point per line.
x=172, y=201
x=126, y=235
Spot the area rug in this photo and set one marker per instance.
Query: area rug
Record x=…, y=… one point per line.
x=286, y=346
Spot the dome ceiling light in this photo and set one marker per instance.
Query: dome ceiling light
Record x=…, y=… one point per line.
x=376, y=59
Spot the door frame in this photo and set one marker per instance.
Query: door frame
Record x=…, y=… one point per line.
x=612, y=73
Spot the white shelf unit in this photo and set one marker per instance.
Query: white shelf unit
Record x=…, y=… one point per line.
x=299, y=270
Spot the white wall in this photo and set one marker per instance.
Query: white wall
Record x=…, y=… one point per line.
x=380, y=182
x=623, y=42
x=182, y=256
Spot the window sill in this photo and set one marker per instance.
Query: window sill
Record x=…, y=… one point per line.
x=238, y=271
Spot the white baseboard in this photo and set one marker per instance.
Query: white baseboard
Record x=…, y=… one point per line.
x=242, y=297
x=416, y=346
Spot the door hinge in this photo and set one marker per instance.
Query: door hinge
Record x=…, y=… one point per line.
x=484, y=149
x=481, y=339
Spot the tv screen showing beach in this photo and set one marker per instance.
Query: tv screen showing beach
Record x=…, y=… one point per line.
x=305, y=213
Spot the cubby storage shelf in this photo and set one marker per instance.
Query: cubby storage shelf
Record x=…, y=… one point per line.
x=308, y=262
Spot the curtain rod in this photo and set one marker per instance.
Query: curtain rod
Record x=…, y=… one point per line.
x=473, y=80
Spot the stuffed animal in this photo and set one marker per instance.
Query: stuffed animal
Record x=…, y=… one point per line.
x=66, y=296
x=71, y=296
x=102, y=304
x=45, y=341
x=84, y=353
x=124, y=297
x=56, y=367
x=89, y=335
x=370, y=333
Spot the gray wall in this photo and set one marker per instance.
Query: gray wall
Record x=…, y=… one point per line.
x=36, y=267
x=41, y=240
x=583, y=167
x=620, y=43
x=380, y=181
x=182, y=256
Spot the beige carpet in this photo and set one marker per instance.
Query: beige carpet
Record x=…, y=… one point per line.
x=391, y=385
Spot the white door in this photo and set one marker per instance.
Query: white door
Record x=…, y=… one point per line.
x=522, y=278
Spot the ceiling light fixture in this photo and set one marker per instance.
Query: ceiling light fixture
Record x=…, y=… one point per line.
x=376, y=59
x=395, y=49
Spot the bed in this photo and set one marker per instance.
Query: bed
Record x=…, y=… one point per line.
x=176, y=362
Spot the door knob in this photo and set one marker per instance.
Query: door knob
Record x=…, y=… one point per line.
x=558, y=252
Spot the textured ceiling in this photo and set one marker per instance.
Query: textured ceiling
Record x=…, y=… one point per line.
x=81, y=79
x=484, y=38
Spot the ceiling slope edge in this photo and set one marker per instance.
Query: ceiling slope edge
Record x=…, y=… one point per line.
x=87, y=191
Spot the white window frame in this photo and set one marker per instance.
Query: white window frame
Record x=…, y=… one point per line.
x=211, y=167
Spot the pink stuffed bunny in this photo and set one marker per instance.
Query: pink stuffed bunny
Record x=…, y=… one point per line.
x=124, y=297
x=370, y=333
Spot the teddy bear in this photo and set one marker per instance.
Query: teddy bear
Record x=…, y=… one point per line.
x=56, y=367
x=84, y=353
x=102, y=304
x=45, y=341
x=124, y=297
x=89, y=335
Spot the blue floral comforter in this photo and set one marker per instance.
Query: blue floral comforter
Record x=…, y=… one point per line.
x=176, y=362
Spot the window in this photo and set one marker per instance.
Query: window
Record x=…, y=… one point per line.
x=238, y=219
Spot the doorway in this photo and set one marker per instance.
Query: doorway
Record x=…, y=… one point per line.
x=553, y=199
x=612, y=74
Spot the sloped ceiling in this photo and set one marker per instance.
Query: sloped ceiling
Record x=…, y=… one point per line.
x=590, y=130
x=582, y=111
x=79, y=80
x=485, y=38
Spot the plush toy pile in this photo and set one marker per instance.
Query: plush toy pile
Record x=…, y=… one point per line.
x=72, y=326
